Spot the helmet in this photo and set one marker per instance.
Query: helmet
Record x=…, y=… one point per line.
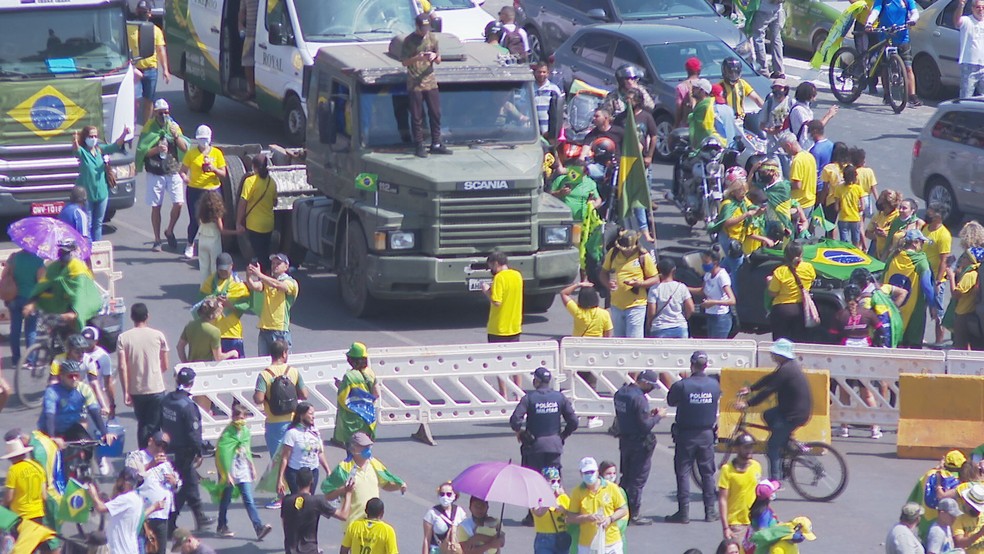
x=67, y=244
x=735, y=250
x=861, y=277
x=735, y=173
x=743, y=439
x=711, y=143
x=603, y=149
x=71, y=366
x=627, y=71
x=77, y=342
x=493, y=28
x=731, y=69
x=852, y=292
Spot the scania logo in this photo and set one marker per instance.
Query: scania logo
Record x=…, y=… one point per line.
x=485, y=185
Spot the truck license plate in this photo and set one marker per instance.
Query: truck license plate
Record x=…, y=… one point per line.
x=47, y=208
x=476, y=284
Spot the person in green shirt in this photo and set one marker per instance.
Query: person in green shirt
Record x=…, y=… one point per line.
x=701, y=118
x=201, y=340
x=92, y=172
x=576, y=190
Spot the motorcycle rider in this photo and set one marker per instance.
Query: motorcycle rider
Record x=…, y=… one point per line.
x=736, y=89
x=628, y=77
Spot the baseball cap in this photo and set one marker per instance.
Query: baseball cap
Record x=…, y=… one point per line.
x=588, y=465
x=779, y=83
x=704, y=85
x=692, y=65
x=357, y=350
x=806, y=527
x=186, y=376
x=766, y=488
x=699, y=357
x=161, y=104
x=90, y=333
x=949, y=506
x=143, y=5
x=224, y=261
x=203, y=131
x=423, y=20
x=649, y=376
x=542, y=374
x=954, y=459
x=916, y=234
x=360, y=439
x=280, y=256
x=179, y=536
x=717, y=91
x=912, y=510
x=784, y=348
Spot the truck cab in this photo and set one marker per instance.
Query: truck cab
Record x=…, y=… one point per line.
x=398, y=226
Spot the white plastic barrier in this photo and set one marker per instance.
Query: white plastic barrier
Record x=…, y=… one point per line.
x=611, y=361
x=964, y=362
x=875, y=369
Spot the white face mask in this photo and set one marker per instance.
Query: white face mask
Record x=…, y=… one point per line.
x=447, y=500
x=91, y=142
x=203, y=143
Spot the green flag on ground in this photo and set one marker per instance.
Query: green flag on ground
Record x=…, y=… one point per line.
x=633, y=186
x=75, y=505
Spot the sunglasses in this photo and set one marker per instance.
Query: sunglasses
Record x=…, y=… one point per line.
x=554, y=481
x=446, y=494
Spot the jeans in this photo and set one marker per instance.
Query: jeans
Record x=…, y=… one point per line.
x=246, y=489
x=767, y=25
x=266, y=338
x=552, y=543
x=781, y=430
x=147, y=411
x=290, y=478
x=640, y=219
x=849, y=231
x=273, y=435
x=971, y=79
x=192, y=196
x=97, y=212
x=718, y=326
x=671, y=333
x=148, y=83
x=629, y=322
x=159, y=528
x=17, y=321
x=228, y=345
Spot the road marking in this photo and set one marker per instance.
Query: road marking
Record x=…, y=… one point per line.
x=142, y=232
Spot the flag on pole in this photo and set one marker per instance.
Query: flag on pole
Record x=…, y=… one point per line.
x=75, y=503
x=367, y=181
x=633, y=186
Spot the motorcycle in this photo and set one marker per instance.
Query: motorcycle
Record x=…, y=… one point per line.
x=698, y=178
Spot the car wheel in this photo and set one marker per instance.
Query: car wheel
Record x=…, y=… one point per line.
x=664, y=126
x=818, y=39
x=939, y=190
x=536, y=45
x=929, y=82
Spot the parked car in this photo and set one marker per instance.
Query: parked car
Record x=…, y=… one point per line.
x=948, y=159
x=593, y=53
x=809, y=21
x=463, y=18
x=550, y=22
x=935, y=46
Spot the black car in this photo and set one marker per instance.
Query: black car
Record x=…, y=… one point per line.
x=550, y=22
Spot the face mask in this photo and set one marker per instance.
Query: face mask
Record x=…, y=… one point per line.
x=91, y=142
x=555, y=486
x=447, y=501
x=366, y=452
x=707, y=267
x=611, y=478
x=203, y=143
x=589, y=478
x=64, y=257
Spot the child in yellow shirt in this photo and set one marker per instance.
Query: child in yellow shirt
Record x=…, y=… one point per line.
x=849, y=196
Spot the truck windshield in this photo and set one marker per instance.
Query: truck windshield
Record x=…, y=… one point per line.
x=353, y=20
x=470, y=113
x=62, y=41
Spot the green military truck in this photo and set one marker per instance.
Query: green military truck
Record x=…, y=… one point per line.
x=395, y=226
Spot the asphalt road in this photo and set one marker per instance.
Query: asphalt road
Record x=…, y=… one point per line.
x=857, y=522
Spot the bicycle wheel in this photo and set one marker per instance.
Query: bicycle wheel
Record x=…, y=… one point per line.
x=847, y=78
x=896, y=83
x=817, y=472
x=31, y=378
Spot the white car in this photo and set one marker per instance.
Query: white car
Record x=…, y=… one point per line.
x=935, y=46
x=464, y=19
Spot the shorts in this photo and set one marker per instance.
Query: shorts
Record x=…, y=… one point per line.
x=502, y=338
x=148, y=83
x=905, y=52
x=158, y=185
x=936, y=307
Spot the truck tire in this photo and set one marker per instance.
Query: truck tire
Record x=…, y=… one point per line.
x=353, y=253
x=538, y=303
x=230, y=196
x=295, y=122
x=198, y=99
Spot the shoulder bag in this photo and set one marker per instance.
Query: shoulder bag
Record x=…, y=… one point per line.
x=450, y=544
x=811, y=317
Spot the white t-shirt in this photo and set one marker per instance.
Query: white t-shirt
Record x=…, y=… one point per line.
x=669, y=298
x=101, y=360
x=124, y=515
x=714, y=290
x=799, y=115
x=971, y=40
x=440, y=524
x=241, y=470
x=305, y=446
x=155, y=486
x=939, y=540
x=512, y=28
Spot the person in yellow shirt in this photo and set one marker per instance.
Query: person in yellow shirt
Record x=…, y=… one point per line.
x=629, y=271
x=802, y=173
x=550, y=524
x=867, y=180
x=26, y=482
x=786, y=289
x=234, y=294
x=849, y=205
x=831, y=177
x=968, y=529
x=279, y=294
x=886, y=211
x=148, y=68
x=505, y=295
x=737, y=481
x=937, y=251
x=202, y=169
x=966, y=290
x=370, y=535
x=255, y=214
x=596, y=506
x=589, y=319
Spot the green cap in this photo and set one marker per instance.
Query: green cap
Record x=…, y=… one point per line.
x=357, y=350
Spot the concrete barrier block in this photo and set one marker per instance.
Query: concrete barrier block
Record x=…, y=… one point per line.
x=938, y=413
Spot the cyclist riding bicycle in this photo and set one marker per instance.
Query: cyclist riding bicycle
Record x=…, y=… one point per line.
x=68, y=289
x=891, y=13
x=76, y=347
x=66, y=405
x=793, y=406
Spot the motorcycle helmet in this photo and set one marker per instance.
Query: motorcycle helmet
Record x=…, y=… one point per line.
x=494, y=28
x=731, y=69
x=852, y=292
x=603, y=149
x=733, y=174
x=627, y=71
x=734, y=249
x=711, y=147
x=77, y=342
x=861, y=277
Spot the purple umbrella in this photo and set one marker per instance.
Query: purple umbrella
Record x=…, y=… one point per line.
x=40, y=236
x=507, y=483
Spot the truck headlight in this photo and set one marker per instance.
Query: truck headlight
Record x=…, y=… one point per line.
x=401, y=240
x=124, y=171
x=556, y=235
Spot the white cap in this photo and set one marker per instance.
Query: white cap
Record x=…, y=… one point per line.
x=161, y=104
x=704, y=85
x=588, y=464
x=203, y=131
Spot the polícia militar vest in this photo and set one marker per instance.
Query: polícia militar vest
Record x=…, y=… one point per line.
x=700, y=402
x=543, y=415
x=625, y=401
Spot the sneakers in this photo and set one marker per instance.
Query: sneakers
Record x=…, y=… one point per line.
x=204, y=522
x=915, y=102
x=104, y=467
x=594, y=422
x=711, y=515
x=189, y=252
x=845, y=431
x=225, y=532
x=876, y=432
x=639, y=520
x=440, y=149
x=262, y=532
x=156, y=247
x=420, y=151
x=273, y=504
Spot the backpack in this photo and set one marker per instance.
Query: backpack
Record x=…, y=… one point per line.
x=786, y=123
x=513, y=41
x=282, y=394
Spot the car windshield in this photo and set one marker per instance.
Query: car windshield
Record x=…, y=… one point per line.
x=470, y=113
x=668, y=59
x=658, y=9
x=353, y=20
x=452, y=4
x=63, y=41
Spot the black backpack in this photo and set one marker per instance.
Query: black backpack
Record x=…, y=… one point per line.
x=282, y=394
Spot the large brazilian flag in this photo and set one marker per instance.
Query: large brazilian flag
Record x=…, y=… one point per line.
x=909, y=270
x=48, y=109
x=835, y=259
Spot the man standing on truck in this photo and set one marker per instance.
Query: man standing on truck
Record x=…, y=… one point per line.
x=148, y=67
x=420, y=53
x=159, y=152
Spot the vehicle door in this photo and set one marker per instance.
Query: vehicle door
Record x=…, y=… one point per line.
x=958, y=149
x=562, y=18
x=334, y=120
x=279, y=65
x=798, y=25
x=590, y=60
x=202, y=60
x=945, y=42
x=627, y=51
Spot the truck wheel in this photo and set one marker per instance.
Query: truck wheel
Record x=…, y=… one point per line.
x=198, y=99
x=538, y=303
x=230, y=196
x=353, y=276
x=295, y=122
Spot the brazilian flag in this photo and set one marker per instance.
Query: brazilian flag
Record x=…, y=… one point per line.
x=910, y=270
x=75, y=503
x=48, y=109
x=633, y=186
x=29, y=534
x=835, y=259
x=69, y=287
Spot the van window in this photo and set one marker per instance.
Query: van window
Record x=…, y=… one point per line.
x=961, y=127
x=354, y=20
x=277, y=13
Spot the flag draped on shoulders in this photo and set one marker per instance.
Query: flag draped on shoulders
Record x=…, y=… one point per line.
x=69, y=287
x=910, y=270
x=340, y=475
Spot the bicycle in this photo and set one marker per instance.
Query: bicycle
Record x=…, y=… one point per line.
x=77, y=462
x=31, y=377
x=802, y=464
x=850, y=75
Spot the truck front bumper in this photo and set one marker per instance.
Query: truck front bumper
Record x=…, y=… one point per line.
x=18, y=203
x=403, y=277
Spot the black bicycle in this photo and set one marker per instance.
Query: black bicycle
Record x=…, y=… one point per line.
x=31, y=377
x=851, y=73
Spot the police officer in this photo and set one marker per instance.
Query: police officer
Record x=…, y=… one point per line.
x=696, y=401
x=636, y=439
x=543, y=441
x=181, y=420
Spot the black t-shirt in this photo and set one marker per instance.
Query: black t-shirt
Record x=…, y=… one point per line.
x=615, y=133
x=645, y=125
x=301, y=514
